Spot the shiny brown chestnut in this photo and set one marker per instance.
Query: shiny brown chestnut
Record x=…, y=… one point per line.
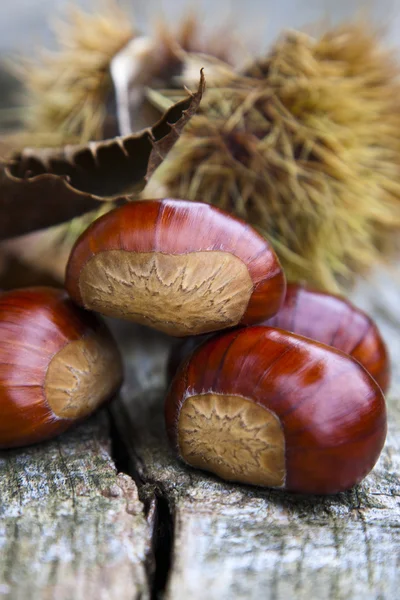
x=58, y=364
x=326, y=318
x=181, y=267
x=335, y=321
x=266, y=407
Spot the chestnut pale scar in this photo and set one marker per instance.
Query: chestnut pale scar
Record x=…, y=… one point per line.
x=179, y=294
x=81, y=376
x=232, y=437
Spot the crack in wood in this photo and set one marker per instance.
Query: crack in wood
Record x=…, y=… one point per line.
x=162, y=542
x=156, y=508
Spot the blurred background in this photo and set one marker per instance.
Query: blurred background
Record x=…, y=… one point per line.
x=27, y=23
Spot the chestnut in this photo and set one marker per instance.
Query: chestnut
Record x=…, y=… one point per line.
x=267, y=407
x=58, y=364
x=181, y=267
x=335, y=321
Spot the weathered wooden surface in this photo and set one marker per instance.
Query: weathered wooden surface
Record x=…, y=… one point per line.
x=71, y=528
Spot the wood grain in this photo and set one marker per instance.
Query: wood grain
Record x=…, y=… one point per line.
x=71, y=528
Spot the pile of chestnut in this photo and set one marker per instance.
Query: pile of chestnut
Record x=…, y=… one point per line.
x=275, y=385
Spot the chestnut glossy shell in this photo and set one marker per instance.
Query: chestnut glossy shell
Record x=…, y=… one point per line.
x=181, y=267
x=58, y=364
x=331, y=413
x=336, y=322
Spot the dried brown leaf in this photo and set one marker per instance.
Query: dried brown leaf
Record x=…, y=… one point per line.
x=43, y=187
x=162, y=145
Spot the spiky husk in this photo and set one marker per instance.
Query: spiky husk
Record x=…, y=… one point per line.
x=306, y=147
x=67, y=89
x=192, y=37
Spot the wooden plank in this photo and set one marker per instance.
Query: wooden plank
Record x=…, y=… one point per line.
x=232, y=541
x=70, y=527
